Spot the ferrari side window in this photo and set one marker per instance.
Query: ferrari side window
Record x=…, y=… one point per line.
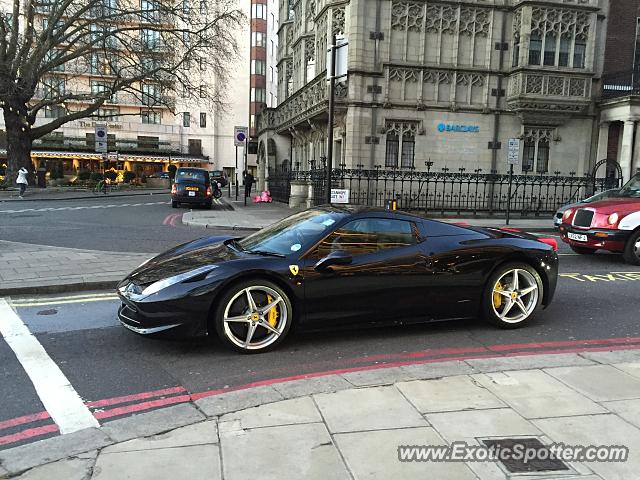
x=368, y=235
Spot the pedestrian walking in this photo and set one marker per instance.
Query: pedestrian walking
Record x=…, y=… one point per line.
x=248, y=183
x=22, y=180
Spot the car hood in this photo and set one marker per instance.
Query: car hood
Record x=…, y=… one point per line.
x=615, y=205
x=184, y=258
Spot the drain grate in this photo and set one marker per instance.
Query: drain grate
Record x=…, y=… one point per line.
x=543, y=461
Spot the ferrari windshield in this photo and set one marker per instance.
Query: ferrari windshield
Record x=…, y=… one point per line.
x=292, y=234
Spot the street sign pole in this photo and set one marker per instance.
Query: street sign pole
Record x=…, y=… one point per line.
x=236, y=172
x=509, y=194
x=332, y=88
x=513, y=157
x=240, y=135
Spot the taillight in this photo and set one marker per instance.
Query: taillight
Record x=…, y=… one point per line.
x=209, y=191
x=174, y=189
x=509, y=229
x=550, y=241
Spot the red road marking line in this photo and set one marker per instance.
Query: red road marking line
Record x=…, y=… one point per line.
x=566, y=343
x=114, y=412
x=28, y=433
x=137, y=396
x=489, y=354
x=21, y=420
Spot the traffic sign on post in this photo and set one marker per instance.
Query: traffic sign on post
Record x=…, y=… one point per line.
x=101, y=138
x=240, y=135
x=513, y=152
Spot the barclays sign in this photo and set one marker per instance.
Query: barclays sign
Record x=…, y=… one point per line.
x=454, y=127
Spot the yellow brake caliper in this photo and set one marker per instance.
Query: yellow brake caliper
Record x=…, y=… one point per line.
x=272, y=316
x=497, y=298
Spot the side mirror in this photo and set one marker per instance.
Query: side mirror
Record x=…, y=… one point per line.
x=339, y=257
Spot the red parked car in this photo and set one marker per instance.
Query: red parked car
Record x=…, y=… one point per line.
x=612, y=224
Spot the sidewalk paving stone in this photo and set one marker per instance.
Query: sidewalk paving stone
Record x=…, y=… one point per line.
x=302, y=451
x=309, y=386
x=204, y=433
x=600, y=383
x=152, y=423
x=237, y=400
x=21, y=458
x=470, y=424
x=374, y=455
x=535, y=394
x=627, y=409
x=378, y=376
x=632, y=368
x=197, y=462
x=423, y=371
x=526, y=362
x=68, y=469
x=616, y=356
x=286, y=412
x=598, y=430
x=373, y=408
x=448, y=394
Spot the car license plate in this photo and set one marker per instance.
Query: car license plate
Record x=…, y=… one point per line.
x=577, y=237
x=192, y=194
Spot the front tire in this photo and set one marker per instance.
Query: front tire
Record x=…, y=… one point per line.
x=632, y=249
x=583, y=250
x=253, y=316
x=512, y=295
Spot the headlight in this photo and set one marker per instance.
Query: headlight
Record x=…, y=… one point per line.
x=167, y=282
x=567, y=214
x=613, y=219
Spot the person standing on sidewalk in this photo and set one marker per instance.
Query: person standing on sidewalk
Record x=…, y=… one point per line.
x=22, y=180
x=248, y=183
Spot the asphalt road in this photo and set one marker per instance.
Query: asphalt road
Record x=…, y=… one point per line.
x=118, y=373
x=141, y=223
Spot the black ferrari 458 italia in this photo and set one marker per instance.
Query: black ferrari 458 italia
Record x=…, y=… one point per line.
x=331, y=267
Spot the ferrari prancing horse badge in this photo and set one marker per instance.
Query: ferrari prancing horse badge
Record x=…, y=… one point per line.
x=294, y=269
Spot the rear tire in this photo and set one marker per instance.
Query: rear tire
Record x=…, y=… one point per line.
x=583, y=250
x=231, y=318
x=632, y=249
x=174, y=204
x=208, y=206
x=508, y=305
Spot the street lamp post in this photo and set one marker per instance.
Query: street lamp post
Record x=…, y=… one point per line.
x=332, y=88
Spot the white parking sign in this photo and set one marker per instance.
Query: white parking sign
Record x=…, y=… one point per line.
x=513, y=152
x=339, y=195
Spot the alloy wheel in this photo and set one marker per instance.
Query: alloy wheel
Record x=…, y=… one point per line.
x=515, y=296
x=255, y=317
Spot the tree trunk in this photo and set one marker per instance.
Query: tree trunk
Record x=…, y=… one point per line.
x=19, y=144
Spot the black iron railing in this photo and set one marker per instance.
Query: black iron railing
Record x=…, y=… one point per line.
x=446, y=191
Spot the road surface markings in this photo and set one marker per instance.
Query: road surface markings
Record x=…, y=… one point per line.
x=39, y=302
x=83, y=207
x=56, y=393
x=603, y=277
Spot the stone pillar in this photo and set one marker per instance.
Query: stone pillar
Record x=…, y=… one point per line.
x=627, y=149
x=603, y=141
x=635, y=165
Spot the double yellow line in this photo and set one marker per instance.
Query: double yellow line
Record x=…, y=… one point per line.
x=43, y=302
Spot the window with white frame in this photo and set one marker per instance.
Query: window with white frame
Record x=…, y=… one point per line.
x=400, y=144
x=259, y=11
x=258, y=67
x=150, y=93
x=258, y=39
x=535, y=155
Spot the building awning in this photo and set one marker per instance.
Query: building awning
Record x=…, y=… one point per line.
x=123, y=157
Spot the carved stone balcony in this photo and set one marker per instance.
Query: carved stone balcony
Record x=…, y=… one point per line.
x=548, y=92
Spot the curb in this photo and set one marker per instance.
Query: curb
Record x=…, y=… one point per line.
x=209, y=406
x=114, y=195
x=61, y=287
x=191, y=223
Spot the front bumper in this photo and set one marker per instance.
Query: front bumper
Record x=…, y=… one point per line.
x=597, y=238
x=145, y=318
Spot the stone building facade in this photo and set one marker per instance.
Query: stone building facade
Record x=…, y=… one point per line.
x=440, y=83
